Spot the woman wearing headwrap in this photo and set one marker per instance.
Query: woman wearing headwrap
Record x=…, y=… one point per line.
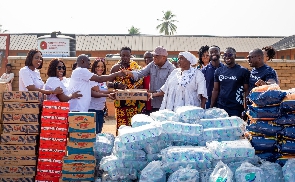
x=185, y=86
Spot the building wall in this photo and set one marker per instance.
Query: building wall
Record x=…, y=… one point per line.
x=284, y=69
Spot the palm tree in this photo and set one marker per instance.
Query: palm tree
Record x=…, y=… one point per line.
x=133, y=31
x=2, y=31
x=167, y=26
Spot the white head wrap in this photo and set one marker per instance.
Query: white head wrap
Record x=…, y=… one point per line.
x=190, y=57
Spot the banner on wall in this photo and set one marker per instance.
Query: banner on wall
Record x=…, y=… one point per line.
x=54, y=47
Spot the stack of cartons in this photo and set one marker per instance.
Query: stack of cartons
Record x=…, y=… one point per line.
x=19, y=135
x=53, y=140
x=79, y=165
x=3, y=88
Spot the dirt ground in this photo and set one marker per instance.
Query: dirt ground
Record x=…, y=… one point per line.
x=110, y=125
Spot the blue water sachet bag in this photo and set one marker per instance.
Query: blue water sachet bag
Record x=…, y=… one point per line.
x=248, y=172
x=267, y=98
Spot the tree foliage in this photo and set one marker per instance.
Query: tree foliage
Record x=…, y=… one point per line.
x=2, y=31
x=167, y=25
x=133, y=31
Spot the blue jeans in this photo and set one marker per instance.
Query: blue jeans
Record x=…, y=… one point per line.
x=98, y=120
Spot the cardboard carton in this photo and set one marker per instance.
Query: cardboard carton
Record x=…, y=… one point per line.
x=50, y=162
x=16, y=150
x=78, y=117
x=22, y=96
x=3, y=87
x=80, y=148
x=21, y=128
x=21, y=108
x=78, y=168
x=42, y=178
x=17, y=170
x=54, y=117
x=18, y=139
x=82, y=137
x=18, y=160
x=83, y=127
x=80, y=157
x=13, y=178
x=20, y=118
x=132, y=94
x=75, y=177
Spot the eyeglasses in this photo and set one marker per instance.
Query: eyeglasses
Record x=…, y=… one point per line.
x=61, y=67
x=228, y=55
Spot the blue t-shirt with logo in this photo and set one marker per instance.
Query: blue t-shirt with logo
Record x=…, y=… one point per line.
x=264, y=73
x=231, y=86
x=208, y=72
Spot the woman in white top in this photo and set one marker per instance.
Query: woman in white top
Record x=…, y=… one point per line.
x=185, y=85
x=29, y=76
x=8, y=77
x=56, y=73
x=97, y=105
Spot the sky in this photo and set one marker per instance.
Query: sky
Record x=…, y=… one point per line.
x=195, y=17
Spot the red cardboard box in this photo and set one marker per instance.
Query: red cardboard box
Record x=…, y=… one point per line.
x=20, y=118
x=48, y=161
x=40, y=178
x=22, y=96
x=55, y=106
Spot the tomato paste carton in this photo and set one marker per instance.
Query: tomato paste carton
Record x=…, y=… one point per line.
x=78, y=117
x=80, y=157
x=82, y=137
x=18, y=139
x=132, y=94
x=18, y=160
x=21, y=108
x=55, y=107
x=16, y=150
x=14, y=178
x=80, y=148
x=77, y=177
x=17, y=170
x=20, y=118
x=22, y=96
x=21, y=128
x=78, y=167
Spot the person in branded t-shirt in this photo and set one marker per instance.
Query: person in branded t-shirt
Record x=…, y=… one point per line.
x=261, y=73
x=230, y=85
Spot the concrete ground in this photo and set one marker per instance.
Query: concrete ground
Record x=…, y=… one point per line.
x=110, y=125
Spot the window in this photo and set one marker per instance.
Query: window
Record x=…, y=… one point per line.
x=21, y=54
x=282, y=57
x=288, y=57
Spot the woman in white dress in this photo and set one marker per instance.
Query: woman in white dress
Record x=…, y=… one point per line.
x=56, y=76
x=185, y=85
x=29, y=76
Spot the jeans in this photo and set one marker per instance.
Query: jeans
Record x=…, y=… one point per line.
x=232, y=111
x=99, y=119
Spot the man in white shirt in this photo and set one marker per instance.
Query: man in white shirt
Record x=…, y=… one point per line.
x=8, y=76
x=81, y=81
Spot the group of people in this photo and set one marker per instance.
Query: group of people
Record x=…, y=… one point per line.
x=206, y=82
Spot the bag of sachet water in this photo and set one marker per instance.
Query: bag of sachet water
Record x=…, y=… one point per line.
x=170, y=127
x=215, y=113
x=164, y=115
x=189, y=114
x=220, y=134
x=248, y=172
x=272, y=172
x=111, y=162
x=140, y=119
x=156, y=147
x=138, y=165
x=119, y=174
x=153, y=157
x=104, y=145
x=221, y=173
x=232, y=121
x=205, y=175
x=140, y=133
x=184, y=174
x=185, y=153
x=179, y=139
x=153, y=173
x=288, y=170
x=200, y=165
x=230, y=149
x=138, y=155
x=119, y=145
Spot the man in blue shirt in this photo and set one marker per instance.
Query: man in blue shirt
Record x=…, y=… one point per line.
x=261, y=74
x=208, y=71
x=231, y=85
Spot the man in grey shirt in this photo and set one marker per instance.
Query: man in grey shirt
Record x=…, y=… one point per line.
x=159, y=70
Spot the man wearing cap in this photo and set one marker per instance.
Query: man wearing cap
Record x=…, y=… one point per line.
x=159, y=70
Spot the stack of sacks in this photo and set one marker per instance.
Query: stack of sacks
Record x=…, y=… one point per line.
x=128, y=156
x=263, y=130
x=173, y=157
x=221, y=129
x=288, y=170
x=184, y=174
x=103, y=145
